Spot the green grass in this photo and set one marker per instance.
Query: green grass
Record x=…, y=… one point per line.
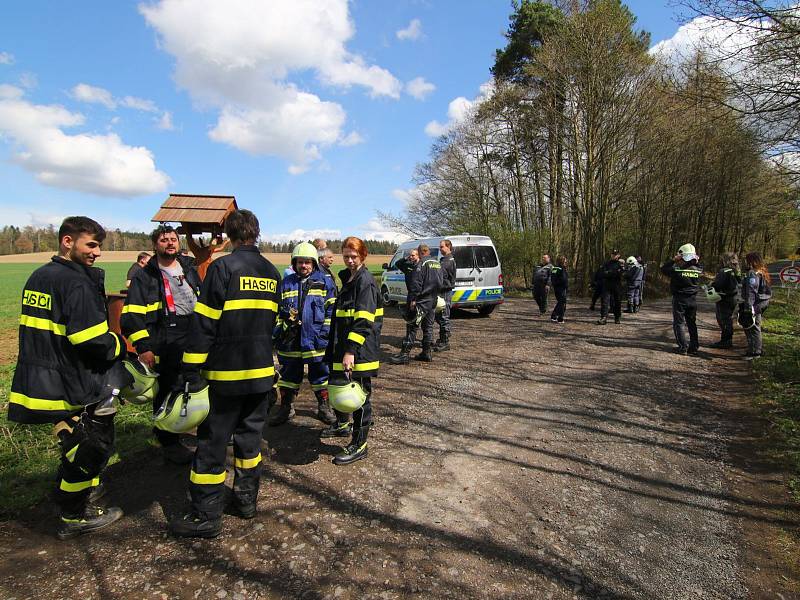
x=778, y=374
x=29, y=453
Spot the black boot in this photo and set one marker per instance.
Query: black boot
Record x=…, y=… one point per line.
x=629, y=309
x=92, y=519
x=601, y=321
x=425, y=355
x=442, y=345
x=324, y=412
x=195, y=525
x=285, y=410
x=337, y=429
x=356, y=450
x=401, y=358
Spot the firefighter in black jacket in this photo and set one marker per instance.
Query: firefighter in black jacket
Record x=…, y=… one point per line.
x=559, y=279
x=611, y=298
x=354, y=346
x=684, y=283
x=156, y=319
x=231, y=340
x=541, y=283
x=408, y=266
x=448, y=263
x=68, y=365
x=726, y=284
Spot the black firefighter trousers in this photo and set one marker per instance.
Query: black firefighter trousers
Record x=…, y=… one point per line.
x=84, y=455
x=684, y=314
x=240, y=416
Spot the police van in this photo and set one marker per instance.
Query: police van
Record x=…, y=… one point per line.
x=479, y=279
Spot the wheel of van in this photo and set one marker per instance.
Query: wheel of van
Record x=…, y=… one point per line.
x=486, y=309
x=385, y=294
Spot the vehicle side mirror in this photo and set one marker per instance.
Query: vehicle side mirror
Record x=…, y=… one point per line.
x=385, y=266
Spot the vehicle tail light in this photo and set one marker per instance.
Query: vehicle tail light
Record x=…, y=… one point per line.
x=500, y=279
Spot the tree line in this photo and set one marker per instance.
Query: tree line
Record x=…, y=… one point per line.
x=25, y=240
x=588, y=142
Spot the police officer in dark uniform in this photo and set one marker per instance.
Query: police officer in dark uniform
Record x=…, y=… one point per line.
x=156, y=318
x=541, y=283
x=726, y=284
x=684, y=283
x=408, y=267
x=426, y=285
x=611, y=297
x=231, y=341
x=559, y=279
x=69, y=371
x=448, y=263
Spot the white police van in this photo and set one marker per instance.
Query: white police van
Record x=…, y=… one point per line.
x=479, y=278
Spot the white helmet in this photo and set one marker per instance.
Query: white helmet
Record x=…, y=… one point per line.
x=631, y=261
x=440, y=304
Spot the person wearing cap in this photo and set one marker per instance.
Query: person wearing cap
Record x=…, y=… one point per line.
x=611, y=297
x=684, y=282
x=156, y=320
x=633, y=279
x=301, y=333
x=726, y=284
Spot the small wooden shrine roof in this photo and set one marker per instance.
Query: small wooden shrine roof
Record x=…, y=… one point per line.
x=192, y=208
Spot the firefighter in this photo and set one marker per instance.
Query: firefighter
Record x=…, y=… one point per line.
x=354, y=346
x=448, y=263
x=756, y=294
x=610, y=299
x=541, y=283
x=304, y=318
x=425, y=286
x=156, y=319
x=685, y=279
x=408, y=267
x=726, y=284
x=559, y=279
x=68, y=371
x=633, y=275
x=231, y=342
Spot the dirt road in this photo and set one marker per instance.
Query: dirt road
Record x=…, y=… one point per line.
x=536, y=461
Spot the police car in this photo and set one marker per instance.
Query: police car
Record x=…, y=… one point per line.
x=479, y=278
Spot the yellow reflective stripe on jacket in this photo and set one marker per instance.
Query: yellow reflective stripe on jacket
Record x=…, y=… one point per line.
x=207, y=311
x=303, y=354
x=79, y=337
x=239, y=375
x=78, y=486
x=326, y=322
x=288, y=384
x=141, y=309
x=41, y=403
x=355, y=337
x=193, y=358
x=289, y=294
x=317, y=292
x=70, y=456
x=330, y=301
x=117, y=346
x=43, y=324
x=247, y=463
x=207, y=478
x=370, y=366
x=250, y=304
x=138, y=335
x=359, y=314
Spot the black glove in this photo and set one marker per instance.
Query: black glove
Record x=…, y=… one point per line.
x=195, y=380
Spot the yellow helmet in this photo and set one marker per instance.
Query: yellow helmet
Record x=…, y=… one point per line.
x=440, y=304
x=145, y=383
x=346, y=398
x=183, y=411
x=305, y=250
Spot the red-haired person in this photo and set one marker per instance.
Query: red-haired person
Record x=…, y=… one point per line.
x=756, y=293
x=354, y=346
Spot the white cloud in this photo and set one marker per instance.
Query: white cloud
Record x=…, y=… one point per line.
x=402, y=195
x=6, y=58
x=238, y=57
x=458, y=110
x=303, y=234
x=165, y=122
x=97, y=164
x=412, y=32
x=352, y=139
x=93, y=95
x=10, y=92
x=375, y=230
x=419, y=88
x=139, y=104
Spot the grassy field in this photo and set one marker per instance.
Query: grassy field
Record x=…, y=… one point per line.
x=29, y=454
x=778, y=373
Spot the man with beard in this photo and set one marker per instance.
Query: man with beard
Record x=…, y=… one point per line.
x=156, y=317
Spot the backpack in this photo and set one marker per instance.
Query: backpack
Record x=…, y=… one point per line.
x=764, y=289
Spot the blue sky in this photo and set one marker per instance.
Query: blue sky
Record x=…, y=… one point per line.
x=313, y=113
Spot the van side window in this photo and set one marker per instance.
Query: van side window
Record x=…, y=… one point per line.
x=485, y=257
x=463, y=256
x=398, y=255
